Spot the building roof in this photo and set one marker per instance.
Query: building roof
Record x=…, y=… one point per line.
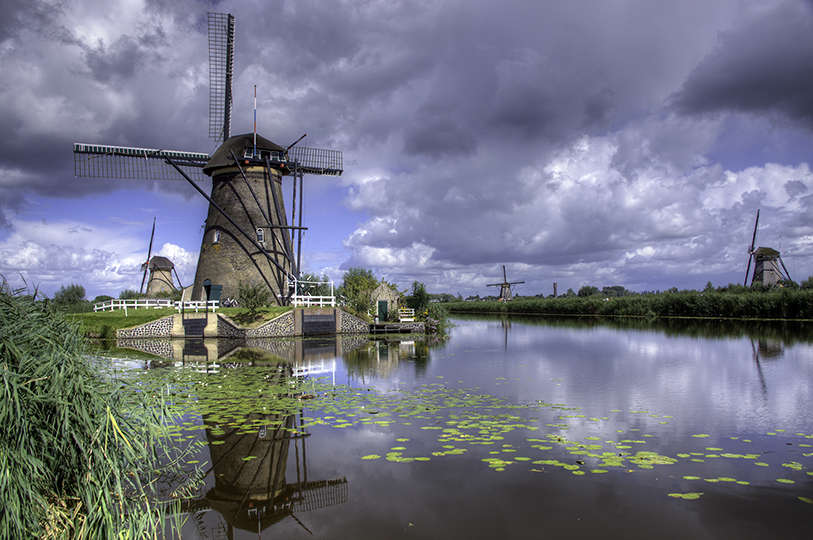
x=161, y=263
x=766, y=253
x=239, y=143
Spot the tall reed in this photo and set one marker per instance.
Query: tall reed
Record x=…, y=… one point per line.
x=79, y=455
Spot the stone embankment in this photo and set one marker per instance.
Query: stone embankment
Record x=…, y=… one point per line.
x=301, y=322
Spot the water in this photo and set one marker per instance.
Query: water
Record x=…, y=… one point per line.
x=512, y=428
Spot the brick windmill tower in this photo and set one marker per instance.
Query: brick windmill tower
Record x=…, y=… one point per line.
x=248, y=238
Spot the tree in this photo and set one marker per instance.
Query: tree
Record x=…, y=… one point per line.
x=72, y=294
x=587, y=291
x=253, y=297
x=357, y=284
x=420, y=298
x=129, y=294
x=71, y=298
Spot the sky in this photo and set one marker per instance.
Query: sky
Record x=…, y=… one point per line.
x=587, y=142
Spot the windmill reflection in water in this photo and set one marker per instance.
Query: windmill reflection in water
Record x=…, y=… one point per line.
x=251, y=491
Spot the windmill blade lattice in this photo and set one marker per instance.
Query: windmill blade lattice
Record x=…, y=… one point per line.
x=317, y=161
x=105, y=161
x=221, y=67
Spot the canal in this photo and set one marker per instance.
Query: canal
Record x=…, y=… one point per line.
x=511, y=428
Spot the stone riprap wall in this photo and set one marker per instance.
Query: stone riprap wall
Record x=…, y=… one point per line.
x=414, y=327
x=282, y=326
x=156, y=346
x=286, y=350
x=351, y=343
x=353, y=325
x=228, y=328
x=155, y=329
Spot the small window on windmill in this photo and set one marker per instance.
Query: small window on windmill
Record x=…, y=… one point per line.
x=216, y=239
x=260, y=235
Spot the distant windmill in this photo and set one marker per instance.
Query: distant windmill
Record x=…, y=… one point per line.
x=505, y=287
x=247, y=238
x=767, y=262
x=160, y=270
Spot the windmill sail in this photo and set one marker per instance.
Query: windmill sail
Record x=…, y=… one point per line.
x=105, y=161
x=317, y=161
x=221, y=66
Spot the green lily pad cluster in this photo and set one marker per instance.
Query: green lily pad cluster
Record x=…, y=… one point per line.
x=462, y=421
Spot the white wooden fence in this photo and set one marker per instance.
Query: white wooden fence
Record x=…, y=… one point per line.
x=313, y=301
x=212, y=305
x=140, y=303
x=406, y=315
x=305, y=300
x=155, y=303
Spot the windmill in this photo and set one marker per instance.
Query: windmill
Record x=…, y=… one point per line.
x=767, y=262
x=160, y=269
x=505, y=287
x=247, y=237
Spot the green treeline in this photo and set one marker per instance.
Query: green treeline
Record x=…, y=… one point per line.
x=780, y=303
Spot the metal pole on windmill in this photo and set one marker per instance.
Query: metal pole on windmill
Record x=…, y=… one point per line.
x=255, y=121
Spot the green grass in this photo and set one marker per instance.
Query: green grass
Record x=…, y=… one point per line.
x=103, y=324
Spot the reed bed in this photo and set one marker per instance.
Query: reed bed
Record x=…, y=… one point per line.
x=771, y=304
x=81, y=456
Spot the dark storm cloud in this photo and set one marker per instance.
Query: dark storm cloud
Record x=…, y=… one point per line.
x=122, y=60
x=20, y=14
x=765, y=66
x=474, y=133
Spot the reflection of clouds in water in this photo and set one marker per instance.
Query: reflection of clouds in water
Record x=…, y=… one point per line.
x=706, y=384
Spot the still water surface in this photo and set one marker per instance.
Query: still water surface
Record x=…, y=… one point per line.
x=513, y=428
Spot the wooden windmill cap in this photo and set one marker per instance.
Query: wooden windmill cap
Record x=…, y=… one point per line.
x=766, y=253
x=161, y=263
x=239, y=144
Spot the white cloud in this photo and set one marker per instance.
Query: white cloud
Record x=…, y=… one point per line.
x=49, y=255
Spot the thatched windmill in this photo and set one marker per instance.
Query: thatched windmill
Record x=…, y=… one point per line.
x=506, y=288
x=248, y=237
x=768, y=266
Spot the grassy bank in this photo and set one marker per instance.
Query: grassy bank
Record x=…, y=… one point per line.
x=773, y=304
x=81, y=453
x=103, y=324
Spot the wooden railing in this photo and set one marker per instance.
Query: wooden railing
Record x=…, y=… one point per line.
x=211, y=305
x=313, y=301
x=406, y=315
x=155, y=303
x=140, y=303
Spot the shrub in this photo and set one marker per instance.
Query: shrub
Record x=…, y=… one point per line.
x=71, y=299
x=253, y=297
